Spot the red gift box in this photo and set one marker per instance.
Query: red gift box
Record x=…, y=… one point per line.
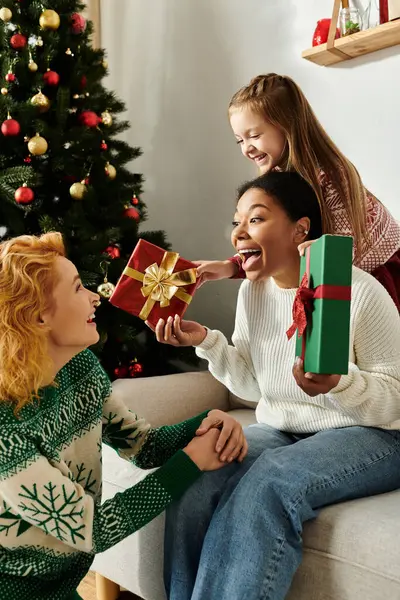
x=155, y=284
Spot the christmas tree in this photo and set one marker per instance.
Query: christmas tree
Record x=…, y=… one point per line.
x=63, y=168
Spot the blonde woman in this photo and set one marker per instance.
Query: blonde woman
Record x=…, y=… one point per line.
x=56, y=408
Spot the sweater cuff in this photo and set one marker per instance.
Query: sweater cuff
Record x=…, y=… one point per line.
x=177, y=474
x=194, y=423
x=345, y=381
x=209, y=341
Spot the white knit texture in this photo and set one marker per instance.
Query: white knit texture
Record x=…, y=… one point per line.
x=259, y=365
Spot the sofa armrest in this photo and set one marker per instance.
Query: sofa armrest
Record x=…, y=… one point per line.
x=170, y=399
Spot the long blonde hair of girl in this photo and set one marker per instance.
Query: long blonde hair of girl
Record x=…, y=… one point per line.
x=27, y=280
x=309, y=148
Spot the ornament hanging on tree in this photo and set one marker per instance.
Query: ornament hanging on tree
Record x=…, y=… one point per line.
x=69, y=52
x=10, y=77
x=135, y=369
x=105, y=64
x=106, y=118
x=78, y=23
x=37, y=145
x=78, y=190
x=41, y=101
x=135, y=200
x=32, y=66
x=110, y=171
x=18, y=41
x=4, y=91
x=51, y=78
x=49, y=19
x=113, y=251
x=103, y=145
x=121, y=372
x=132, y=213
x=88, y=118
x=39, y=42
x=27, y=160
x=106, y=288
x=5, y=14
x=10, y=127
x=24, y=195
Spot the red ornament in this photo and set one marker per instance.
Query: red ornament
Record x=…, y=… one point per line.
x=27, y=160
x=132, y=213
x=10, y=77
x=103, y=145
x=51, y=78
x=83, y=82
x=135, y=200
x=18, y=41
x=135, y=370
x=87, y=181
x=10, y=128
x=24, y=195
x=113, y=251
x=121, y=372
x=89, y=118
x=78, y=23
x=321, y=32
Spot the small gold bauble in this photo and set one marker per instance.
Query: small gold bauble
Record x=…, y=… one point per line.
x=49, y=19
x=37, y=145
x=111, y=171
x=106, y=289
x=75, y=96
x=32, y=66
x=69, y=52
x=78, y=190
x=39, y=42
x=105, y=64
x=5, y=14
x=4, y=91
x=41, y=101
x=106, y=118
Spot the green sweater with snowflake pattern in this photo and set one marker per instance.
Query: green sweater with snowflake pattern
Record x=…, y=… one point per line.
x=52, y=522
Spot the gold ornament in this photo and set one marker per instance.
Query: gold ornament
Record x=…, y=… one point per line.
x=4, y=91
x=39, y=41
x=78, y=190
x=105, y=64
x=49, y=19
x=111, y=171
x=37, y=145
x=41, y=101
x=5, y=14
x=32, y=66
x=106, y=288
x=75, y=96
x=69, y=52
x=106, y=118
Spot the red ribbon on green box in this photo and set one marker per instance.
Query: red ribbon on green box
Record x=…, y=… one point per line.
x=304, y=302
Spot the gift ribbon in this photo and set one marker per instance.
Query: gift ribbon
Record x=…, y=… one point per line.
x=304, y=301
x=161, y=284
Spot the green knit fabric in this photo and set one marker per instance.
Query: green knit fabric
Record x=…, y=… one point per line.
x=52, y=521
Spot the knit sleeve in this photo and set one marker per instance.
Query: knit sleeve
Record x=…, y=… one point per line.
x=34, y=493
x=371, y=391
x=232, y=365
x=134, y=439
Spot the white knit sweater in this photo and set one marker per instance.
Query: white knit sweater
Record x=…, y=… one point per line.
x=259, y=365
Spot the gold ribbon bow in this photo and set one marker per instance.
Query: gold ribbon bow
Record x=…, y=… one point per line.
x=161, y=284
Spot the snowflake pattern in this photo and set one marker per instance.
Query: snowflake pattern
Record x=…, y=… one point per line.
x=84, y=476
x=117, y=434
x=57, y=511
x=12, y=521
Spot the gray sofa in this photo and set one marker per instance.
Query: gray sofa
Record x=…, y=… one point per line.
x=351, y=551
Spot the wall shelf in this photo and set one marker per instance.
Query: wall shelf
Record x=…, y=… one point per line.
x=357, y=44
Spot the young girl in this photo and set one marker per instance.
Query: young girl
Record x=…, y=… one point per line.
x=56, y=408
x=276, y=128
x=320, y=439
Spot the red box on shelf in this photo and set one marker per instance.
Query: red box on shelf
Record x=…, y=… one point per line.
x=155, y=284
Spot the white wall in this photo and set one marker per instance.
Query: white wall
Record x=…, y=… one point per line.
x=176, y=63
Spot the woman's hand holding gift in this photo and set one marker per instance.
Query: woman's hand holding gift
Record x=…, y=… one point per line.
x=311, y=383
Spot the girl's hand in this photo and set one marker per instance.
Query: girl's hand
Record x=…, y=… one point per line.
x=179, y=333
x=231, y=443
x=212, y=270
x=201, y=450
x=302, y=247
x=311, y=383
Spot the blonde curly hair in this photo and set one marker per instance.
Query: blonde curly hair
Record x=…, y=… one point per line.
x=27, y=280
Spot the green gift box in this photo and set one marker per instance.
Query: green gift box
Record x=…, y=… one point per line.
x=321, y=310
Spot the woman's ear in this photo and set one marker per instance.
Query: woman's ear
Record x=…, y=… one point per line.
x=302, y=230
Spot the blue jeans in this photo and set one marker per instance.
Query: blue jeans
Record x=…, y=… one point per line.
x=237, y=533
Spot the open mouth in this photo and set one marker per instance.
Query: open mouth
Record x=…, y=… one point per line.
x=249, y=256
x=260, y=158
x=91, y=319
